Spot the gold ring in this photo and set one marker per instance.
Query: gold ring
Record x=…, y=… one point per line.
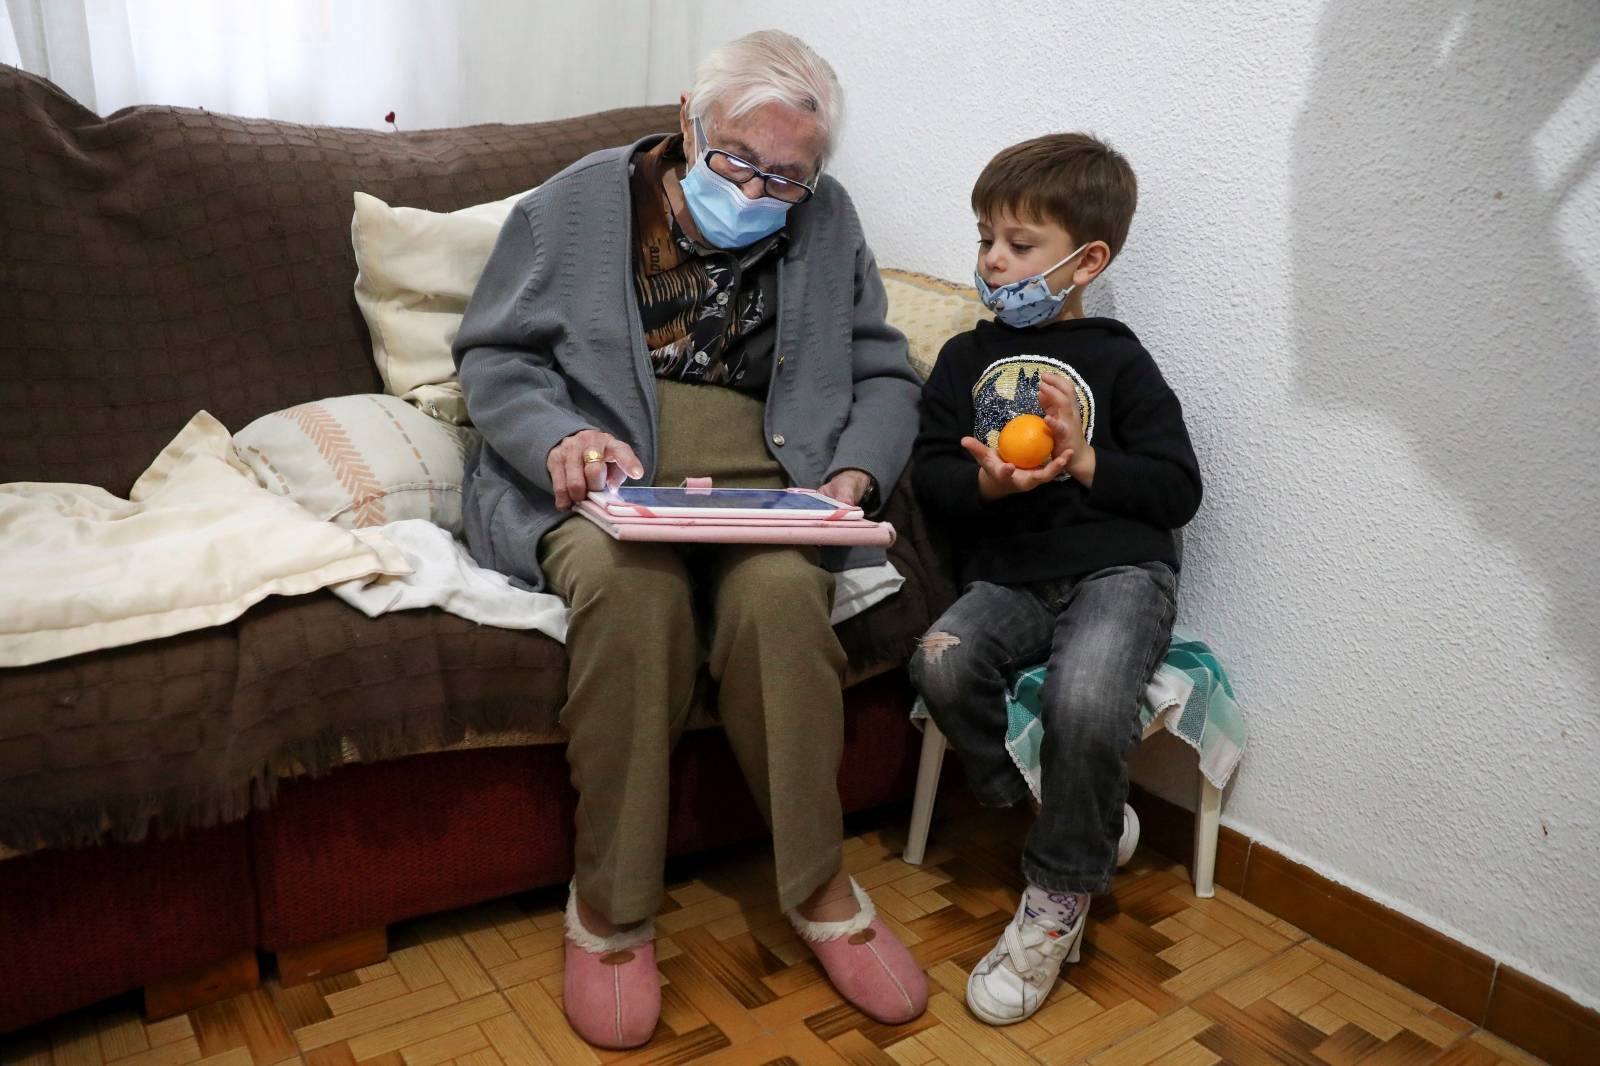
x=592, y=456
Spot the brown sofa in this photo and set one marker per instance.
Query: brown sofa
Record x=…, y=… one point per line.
x=168, y=260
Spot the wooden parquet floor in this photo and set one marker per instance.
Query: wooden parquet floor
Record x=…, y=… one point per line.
x=1165, y=979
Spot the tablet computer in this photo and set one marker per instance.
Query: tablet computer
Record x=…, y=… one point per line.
x=708, y=529
x=650, y=501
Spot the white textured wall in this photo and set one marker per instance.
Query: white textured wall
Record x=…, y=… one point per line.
x=1368, y=257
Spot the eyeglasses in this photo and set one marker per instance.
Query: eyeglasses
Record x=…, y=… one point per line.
x=741, y=172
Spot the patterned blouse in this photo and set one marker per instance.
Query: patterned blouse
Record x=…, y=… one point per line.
x=709, y=314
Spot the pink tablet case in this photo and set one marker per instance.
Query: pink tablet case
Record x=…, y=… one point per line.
x=714, y=529
x=741, y=531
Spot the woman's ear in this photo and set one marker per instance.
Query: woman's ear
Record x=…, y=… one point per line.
x=1092, y=262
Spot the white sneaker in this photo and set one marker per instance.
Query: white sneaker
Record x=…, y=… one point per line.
x=1012, y=981
x=1130, y=832
x=1130, y=835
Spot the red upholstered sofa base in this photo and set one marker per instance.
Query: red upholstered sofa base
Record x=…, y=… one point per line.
x=79, y=925
x=370, y=845
x=363, y=847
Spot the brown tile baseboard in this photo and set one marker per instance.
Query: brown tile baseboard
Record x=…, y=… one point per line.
x=1535, y=1016
x=1401, y=948
x=1507, y=1003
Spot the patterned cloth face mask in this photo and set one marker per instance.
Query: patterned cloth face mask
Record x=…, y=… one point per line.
x=1028, y=301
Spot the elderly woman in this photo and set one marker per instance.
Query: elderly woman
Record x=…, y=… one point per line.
x=691, y=305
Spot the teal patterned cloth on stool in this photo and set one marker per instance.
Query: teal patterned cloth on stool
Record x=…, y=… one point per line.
x=1189, y=696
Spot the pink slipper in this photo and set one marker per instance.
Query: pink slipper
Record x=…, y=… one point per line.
x=611, y=988
x=867, y=963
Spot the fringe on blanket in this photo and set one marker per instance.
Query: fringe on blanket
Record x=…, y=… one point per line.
x=164, y=813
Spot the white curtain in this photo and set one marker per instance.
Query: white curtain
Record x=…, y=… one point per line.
x=351, y=62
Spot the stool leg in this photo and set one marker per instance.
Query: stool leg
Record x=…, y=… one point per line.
x=1207, y=820
x=933, y=745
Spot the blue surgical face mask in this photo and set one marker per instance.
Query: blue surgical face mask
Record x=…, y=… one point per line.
x=724, y=214
x=1029, y=301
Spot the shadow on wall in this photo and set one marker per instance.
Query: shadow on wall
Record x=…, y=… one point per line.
x=1444, y=170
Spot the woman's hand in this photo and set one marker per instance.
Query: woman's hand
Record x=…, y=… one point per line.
x=848, y=486
x=579, y=465
x=997, y=478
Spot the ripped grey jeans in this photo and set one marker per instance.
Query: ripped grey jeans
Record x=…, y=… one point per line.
x=1104, y=635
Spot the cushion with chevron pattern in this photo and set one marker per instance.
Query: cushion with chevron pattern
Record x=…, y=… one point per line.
x=361, y=460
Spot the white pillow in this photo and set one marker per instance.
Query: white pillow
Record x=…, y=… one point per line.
x=415, y=272
x=361, y=460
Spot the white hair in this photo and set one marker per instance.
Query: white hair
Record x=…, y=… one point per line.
x=768, y=66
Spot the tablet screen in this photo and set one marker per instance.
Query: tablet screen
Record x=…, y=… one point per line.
x=720, y=499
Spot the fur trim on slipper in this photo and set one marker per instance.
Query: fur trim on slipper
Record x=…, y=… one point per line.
x=622, y=940
x=822, y=931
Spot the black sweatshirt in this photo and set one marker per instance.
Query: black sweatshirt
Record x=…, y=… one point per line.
x=1146, y=480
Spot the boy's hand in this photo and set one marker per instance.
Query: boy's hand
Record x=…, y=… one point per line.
x=997, y=478
x=1059, y=399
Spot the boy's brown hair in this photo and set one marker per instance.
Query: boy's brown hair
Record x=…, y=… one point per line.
x=1072, y=179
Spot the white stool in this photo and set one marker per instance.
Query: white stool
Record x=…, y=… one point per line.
x=1207, y=818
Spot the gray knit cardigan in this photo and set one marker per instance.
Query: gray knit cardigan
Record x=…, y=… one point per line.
x=552, y=344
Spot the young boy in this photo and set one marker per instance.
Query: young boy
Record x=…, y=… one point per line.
x=1073, y=561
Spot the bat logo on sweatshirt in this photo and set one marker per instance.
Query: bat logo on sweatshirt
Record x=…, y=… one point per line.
x=1010, y=387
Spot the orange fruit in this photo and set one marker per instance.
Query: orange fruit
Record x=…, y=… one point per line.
x=1025, y=442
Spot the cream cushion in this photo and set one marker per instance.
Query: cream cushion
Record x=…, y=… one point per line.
x=361, y=460
x=929, y=312
x=415, y=272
